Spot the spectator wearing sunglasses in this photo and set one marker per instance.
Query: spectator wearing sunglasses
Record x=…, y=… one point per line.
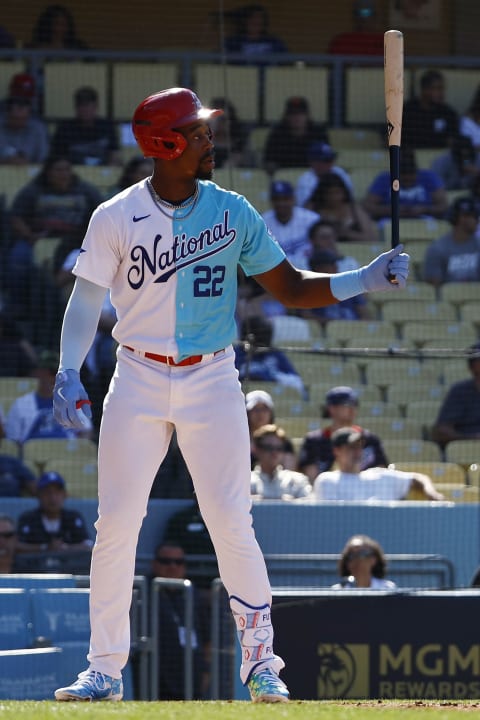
x=270, y=480
x=170, y=562
x=8, y=542
x=363, y=565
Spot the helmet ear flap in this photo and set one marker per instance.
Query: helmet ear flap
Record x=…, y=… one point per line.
x=169, y=145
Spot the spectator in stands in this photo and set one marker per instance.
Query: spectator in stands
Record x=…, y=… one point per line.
x=230, y=135
x=422, y=193
x=470, y=122
x=288, y=142
x=455, y=257
x=365, y=39
x=356, y=308
x=261, y=411
x=55, y=30
x=428, y=122
x=51, y=527
x=23, y=137
x=321, y=157
x=363, y=565
x=459, y=414
x=170, y=562
x=270, y=480
x=16, y=479
x=349, y=482
x=31, y=415
x=187, y=529
x=459, y=165
x=56, y=203
x=316, y=454
x=257, y=359
x=333, y=201
x=289, y=224
x=87, y=139
x=134, y=170
x=252, y=38
x=8, y=544
x=17, y=355
x=323, y=237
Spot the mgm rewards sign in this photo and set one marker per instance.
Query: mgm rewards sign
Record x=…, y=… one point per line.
x=354, y=644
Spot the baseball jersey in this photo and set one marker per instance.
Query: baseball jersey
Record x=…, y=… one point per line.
x=371, y=484
x=449, y=261
x=293, y=235
x=173, y=280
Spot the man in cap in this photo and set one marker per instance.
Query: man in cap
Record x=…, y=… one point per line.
x=289, y=224
x=316, y=454
x=321, y=158
x=23, y=138
x=288, y=142
x=8, y=544
x=50, y=526
x=455, y=257
x=350, y=483
x=87, y=139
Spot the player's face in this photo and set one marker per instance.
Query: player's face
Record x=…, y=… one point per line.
x=198, y=159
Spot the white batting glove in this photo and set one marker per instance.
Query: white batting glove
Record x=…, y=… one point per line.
x=71, y=406
x=375, y=276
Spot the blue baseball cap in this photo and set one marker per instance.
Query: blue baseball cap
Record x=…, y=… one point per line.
x=321, y=151
x=341, y=395
x=281, y=188
x=50, y=478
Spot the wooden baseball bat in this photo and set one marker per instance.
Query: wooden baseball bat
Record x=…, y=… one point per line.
x=393, y=74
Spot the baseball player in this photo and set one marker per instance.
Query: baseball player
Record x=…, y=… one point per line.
x=168, y=248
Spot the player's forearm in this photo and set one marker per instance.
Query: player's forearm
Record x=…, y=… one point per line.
x=80, y=323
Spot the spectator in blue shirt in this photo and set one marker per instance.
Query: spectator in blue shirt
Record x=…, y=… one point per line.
x=422, y=193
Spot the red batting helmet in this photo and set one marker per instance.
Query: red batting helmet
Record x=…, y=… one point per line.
x=158, y=116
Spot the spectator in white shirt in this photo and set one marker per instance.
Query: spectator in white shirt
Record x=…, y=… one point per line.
x=363, y=565
x=270, y=480
x=349, y=483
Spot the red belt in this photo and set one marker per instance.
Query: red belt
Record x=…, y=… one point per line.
x=169, y=360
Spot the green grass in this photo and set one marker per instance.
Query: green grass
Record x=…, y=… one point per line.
x=222, y=710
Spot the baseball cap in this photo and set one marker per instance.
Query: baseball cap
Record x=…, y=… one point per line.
x=281, y=188
x=85, y=95
x=50, y=478
x=466, y=205
x=321, y=151
x=341, y=395
x=22, y=85
x=48, y=359
x=258, y=397
x=296, y=105
x=346, y=436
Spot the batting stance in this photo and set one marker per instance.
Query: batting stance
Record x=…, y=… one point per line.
x=168, y=249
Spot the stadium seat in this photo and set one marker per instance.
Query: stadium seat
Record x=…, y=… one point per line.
x=458, y=293
x=251, y=182
x=442, y=472
x=414, y=450
x=297, y=426
x=12, y=388
x=62, y=79
x=9, y=447
x=463, y=452
x=16, y=619
x=405, y=309
x=469, y=313
x=391, y=428
x=13, y=178
x=288, y=329
x=361, y=158
x=361, y=333
x=454, y=335
x=43, y=451
x=397, y=370
x=282, y=82
x=238, y=82
x=134, y=81
x=424, y=411
x=80, y=475
x=104, y=177
x=405, y=393
x=369, y=410
x=427, y=229
x=346, y=138
x=361, y=179
x=256, y=142
x=458, y=493
x=454, y=370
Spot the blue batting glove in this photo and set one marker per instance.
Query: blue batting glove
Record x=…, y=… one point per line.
x=71, y=406
x=375, y=276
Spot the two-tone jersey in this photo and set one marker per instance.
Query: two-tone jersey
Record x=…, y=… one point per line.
x=173, y=279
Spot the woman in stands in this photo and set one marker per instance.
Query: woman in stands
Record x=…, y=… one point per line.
x=363, y=565
x=333, y=201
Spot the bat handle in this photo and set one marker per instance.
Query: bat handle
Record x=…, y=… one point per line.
x=395, y=198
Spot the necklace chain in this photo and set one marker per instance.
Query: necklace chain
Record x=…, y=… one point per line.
x=187, y=204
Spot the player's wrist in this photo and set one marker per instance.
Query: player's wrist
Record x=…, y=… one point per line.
x=347, y=284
